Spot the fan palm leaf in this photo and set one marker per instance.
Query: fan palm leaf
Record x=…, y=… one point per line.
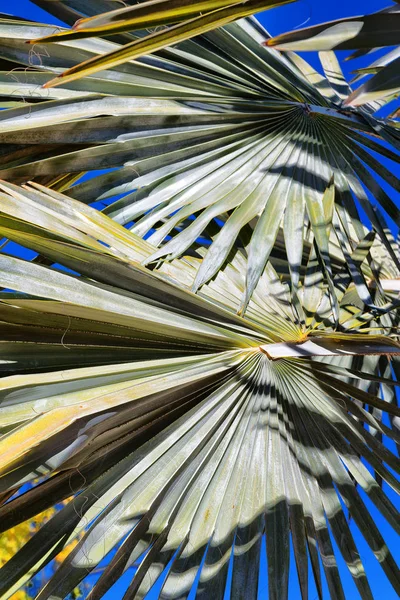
x=218, y=126
x=186, y=432
x=193, y=430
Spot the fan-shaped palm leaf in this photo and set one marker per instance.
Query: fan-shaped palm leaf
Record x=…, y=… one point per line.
x=190, y=432
x=218, y=127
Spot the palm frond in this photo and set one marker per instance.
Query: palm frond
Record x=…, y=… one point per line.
x=188, y=19
x=187, y=436
x=236, y=134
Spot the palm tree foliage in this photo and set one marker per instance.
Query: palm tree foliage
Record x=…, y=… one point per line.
x=363, y=34
x=243, y=389
x=166, y=411
x=235, y=132
x=188, y=19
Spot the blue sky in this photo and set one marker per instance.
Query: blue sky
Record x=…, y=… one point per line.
x=277, y=21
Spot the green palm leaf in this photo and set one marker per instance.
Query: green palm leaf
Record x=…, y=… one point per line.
x=192, y=19
x=236, y=134
x=229, y=382
x=192, y=431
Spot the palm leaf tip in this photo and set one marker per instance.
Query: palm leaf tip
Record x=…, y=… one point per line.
x=353, y=33
x=200, y=22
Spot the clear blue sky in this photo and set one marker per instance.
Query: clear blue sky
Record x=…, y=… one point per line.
x=277, y=21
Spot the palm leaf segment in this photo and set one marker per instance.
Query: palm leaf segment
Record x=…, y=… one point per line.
x=217, y=126
x=365, y=34
x=185, y=431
